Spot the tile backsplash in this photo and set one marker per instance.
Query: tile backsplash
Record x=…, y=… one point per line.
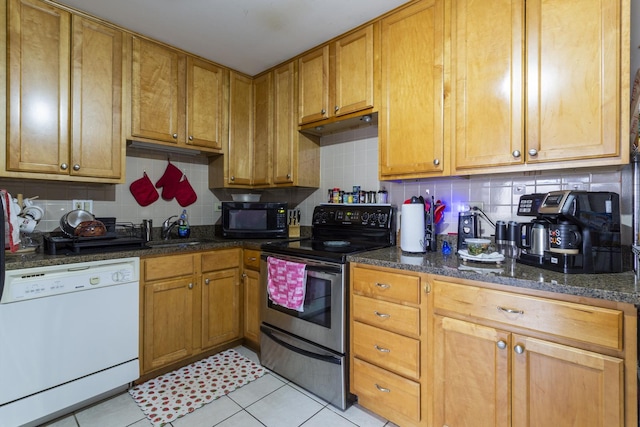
x=346, y=159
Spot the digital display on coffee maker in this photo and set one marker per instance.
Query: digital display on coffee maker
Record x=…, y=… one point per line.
x=553, y=199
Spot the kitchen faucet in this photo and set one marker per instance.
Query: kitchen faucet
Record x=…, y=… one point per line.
x=167, y=226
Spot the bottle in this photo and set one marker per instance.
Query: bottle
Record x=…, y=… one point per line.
x=183, y=225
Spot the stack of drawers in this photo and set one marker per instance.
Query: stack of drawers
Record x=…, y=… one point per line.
x=385, y=344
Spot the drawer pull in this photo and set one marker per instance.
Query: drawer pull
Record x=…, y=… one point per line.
x=501, y=344
x=510, y=310
x=381, y=349
x=518, y=349
x=382, y=389
x=382, y=315
x=383, y=285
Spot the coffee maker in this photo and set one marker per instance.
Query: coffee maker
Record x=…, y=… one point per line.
x=584, y=231
x=468, y=227
x=531, y=238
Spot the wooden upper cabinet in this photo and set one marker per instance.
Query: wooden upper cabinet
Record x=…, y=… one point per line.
x=575, y=65
x=263, y=128
x=65, y=95
x=314, y=85
x=207, y=102
x=487, y=83
x=240, y=154
x=411, y=122
x=39, y=85
x=284, y=154
x=337, y=79
x=157, y=97
x=97, y=135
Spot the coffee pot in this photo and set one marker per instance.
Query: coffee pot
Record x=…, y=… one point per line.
x=534, y=237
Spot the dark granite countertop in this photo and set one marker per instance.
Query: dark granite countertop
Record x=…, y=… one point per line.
x=620, y=287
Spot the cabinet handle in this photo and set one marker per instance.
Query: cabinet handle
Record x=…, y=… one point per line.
x=233, y=178
x=381, y=349
x=253, y=258
x=76, y=167
x=323, y=111
x=510, y=310
x=382, y=315
x=516, y=154
x=64, y=166
x=175, y=136
x=382, y=389
x=190, y=137
x=288, y=176
x=383, y=285
x=518, y=349
x=533, y=152
x=501, y=344
x=190, y=285
x=206, y=281
x=427, y=288
x=337, y=108
x=436, y=162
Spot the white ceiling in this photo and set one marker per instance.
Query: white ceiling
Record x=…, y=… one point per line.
x=246, y=35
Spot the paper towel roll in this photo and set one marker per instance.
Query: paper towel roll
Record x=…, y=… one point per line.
x=412, y=228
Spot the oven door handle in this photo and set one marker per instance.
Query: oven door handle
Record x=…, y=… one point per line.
x=323, y=358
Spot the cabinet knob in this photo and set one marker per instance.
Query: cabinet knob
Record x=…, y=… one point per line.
x=518, y=349
x=323, y=111
x=436, y=162
x=206, y=281
x=533, y=152
x=76, y=167
x=288, y=176
x=190, y=285
x=175, y=136
x=64, y=166
x=382, y=389
x=381, y=349
x=233, y=178
x=516, y=154
x=381, y=315
x=336, y=108
x=190, y=137
x=501, y=344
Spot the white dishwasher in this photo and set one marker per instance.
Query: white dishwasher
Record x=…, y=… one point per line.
x=68, y=336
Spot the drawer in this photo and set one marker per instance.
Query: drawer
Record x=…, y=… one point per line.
x=385, y=393
x=220, y=259
x=387, y=350
x=251, y=259
x=387, y=285
x=168, y=267
x=595, y=325
x=387, y=315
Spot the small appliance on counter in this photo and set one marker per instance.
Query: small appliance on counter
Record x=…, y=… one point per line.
x=254, y=220
x=573, y=232
x=467, y=228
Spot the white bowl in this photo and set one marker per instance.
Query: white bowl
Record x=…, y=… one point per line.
x=245, y=197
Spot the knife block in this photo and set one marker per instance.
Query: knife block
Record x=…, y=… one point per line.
x=294, y=231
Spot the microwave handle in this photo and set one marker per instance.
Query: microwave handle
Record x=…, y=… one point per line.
x=323, y=358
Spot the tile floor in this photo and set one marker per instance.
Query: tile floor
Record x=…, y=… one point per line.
x=269, y=401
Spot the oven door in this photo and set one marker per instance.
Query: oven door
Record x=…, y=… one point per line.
x=323, y=317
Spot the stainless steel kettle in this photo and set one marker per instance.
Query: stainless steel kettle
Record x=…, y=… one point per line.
x=535, y=237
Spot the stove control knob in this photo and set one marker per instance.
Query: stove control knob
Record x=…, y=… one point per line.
x=382, y=218
x=365, y=217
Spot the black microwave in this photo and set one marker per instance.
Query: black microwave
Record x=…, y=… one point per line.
x=254, y=220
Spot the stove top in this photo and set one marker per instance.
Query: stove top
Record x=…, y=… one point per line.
x=340, y=230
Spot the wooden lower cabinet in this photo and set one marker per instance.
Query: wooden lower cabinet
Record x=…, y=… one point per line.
x=190, y=304
x=437, y=351
x=251, y=306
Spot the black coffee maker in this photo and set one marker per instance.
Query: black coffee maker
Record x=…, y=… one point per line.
x=584, y=231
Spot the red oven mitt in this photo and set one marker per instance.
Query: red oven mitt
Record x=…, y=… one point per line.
x=185, y=194
x=143, y=191
x=169, y=181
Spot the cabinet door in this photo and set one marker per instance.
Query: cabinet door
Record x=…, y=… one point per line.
x=470, y=371
x=558, y=385
x=252, y=306
x=285, y=124
x=314, y=85
x=263, y=128
x=220, y=307
x=354, y=72
x=206, y=103
x=38, y=50
x=574, y=60
x=168, y=322
x=97, y=137
x=487, y=83
x=411, y=136
x=240, y=129
x=157, y=99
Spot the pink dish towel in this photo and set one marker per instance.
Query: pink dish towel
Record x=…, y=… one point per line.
x=286, y=283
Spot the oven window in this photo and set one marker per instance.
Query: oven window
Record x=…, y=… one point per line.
x=317, y=303
x=248, y=219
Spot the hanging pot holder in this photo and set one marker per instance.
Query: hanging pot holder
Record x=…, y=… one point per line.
x=169, y=181
x=143, y=191
x=185, y=194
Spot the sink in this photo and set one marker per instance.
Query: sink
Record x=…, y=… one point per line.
x=172, y=243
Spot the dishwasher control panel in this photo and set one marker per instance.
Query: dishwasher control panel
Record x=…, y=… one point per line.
x=25, y=284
